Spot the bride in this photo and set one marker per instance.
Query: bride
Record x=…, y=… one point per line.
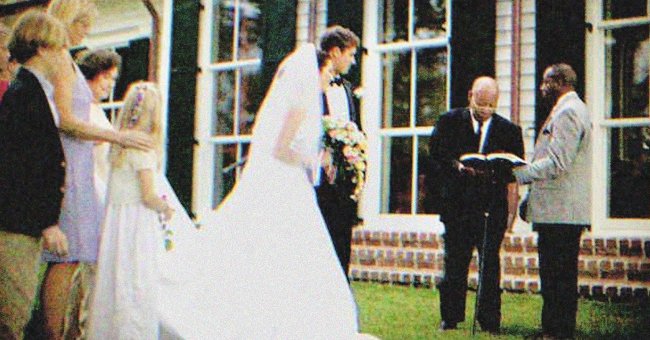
x=264, y=267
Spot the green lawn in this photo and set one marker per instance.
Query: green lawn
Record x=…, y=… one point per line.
x=404, y=312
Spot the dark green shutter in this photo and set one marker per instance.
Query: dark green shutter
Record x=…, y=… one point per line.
x=560, y=37
x=278, y=35
x=182, y=94
x=473, y=40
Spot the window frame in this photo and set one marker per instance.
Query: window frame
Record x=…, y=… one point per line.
x=371, y=106
x=596, y=99
x=207, y=142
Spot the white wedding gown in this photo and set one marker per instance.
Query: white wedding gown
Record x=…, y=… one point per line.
x=264, y=266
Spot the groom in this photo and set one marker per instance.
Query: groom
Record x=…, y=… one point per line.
x=338, y=209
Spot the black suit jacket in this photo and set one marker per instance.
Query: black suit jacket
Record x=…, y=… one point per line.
x=32, y=168
x=456, y=195
x=332, y=198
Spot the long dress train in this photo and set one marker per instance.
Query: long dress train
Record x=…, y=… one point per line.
x=264, y=266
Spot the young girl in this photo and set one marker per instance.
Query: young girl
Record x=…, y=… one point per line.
x=125, y=300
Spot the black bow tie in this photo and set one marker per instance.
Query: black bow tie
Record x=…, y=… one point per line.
x=336, y=81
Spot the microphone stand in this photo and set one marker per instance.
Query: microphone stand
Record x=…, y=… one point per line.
x=488, y=186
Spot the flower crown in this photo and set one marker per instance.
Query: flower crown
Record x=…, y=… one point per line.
x=137, y=107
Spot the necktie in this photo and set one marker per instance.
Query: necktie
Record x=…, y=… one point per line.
x=478, y=136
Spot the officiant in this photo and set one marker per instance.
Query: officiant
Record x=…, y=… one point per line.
x=473, y=202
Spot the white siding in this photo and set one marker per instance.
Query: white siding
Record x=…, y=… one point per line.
x=527, y=83
x=503, y=59
x=302, y=21
x=305, y=9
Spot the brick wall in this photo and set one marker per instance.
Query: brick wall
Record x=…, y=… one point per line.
x=609, y=269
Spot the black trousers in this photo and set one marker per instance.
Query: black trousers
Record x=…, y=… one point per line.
x=558, y=246
x=461, y=236
x=340, y=215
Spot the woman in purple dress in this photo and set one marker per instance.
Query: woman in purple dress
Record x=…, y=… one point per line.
x=82, y=212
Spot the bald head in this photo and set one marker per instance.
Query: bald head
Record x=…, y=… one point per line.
x=483, y=97
x=485, y=84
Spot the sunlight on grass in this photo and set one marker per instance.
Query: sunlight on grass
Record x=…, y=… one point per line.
x=404, y=312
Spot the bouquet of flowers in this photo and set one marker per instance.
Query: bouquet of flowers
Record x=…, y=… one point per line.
x=347, y=146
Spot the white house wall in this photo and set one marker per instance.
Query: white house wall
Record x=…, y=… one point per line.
x=503, y=59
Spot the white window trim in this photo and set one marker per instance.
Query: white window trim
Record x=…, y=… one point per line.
x=204, y=170
x=371, y=107
x=596, y=99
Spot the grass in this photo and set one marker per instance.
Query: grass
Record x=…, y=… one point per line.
x=405, y=312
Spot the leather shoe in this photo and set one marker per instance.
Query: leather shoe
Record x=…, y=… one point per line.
x=445, y=326
x=491, y=330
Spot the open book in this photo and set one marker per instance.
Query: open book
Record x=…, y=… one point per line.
x=475, y=158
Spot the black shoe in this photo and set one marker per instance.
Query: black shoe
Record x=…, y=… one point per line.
x=445, y=326
x=493, y=329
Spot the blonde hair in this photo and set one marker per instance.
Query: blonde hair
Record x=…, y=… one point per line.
x=141, y=111
x=33, y=31
x=69, y=11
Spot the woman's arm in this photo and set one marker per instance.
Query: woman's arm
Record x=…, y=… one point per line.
x=150, y=197
x=63, y=81
x=282, y=149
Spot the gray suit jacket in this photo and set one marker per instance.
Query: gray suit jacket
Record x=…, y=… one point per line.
x=560, y=171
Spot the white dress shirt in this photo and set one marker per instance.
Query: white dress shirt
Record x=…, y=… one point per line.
x=337, y=102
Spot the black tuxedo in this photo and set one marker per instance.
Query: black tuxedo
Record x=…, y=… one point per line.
x=462, y=201
x=339, y=211
x=32, y=167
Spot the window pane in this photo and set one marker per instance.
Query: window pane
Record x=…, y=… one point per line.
x=430, y=20
x=397, y=87
x=227, y=13
x=618, y=9
x=431, y=85
x=224, y=99
x=249, y=25
x=628, y=56
x=222, y=32
x=224, y=175
x=394, y=21
x=229, y=159
x=630, y=171
x=423, y=162
x=250, y=97
x=396, y=174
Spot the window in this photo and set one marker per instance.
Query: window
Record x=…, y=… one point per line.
x=229, y=91
x=408, y=66
x=618, y=98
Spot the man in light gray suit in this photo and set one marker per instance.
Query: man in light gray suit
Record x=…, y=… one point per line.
x=559, y=198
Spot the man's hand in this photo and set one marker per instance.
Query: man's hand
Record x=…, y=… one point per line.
x=55, y=240
x=327, y=162
x=330, y=172
x=136, y=139
x=471, y=171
